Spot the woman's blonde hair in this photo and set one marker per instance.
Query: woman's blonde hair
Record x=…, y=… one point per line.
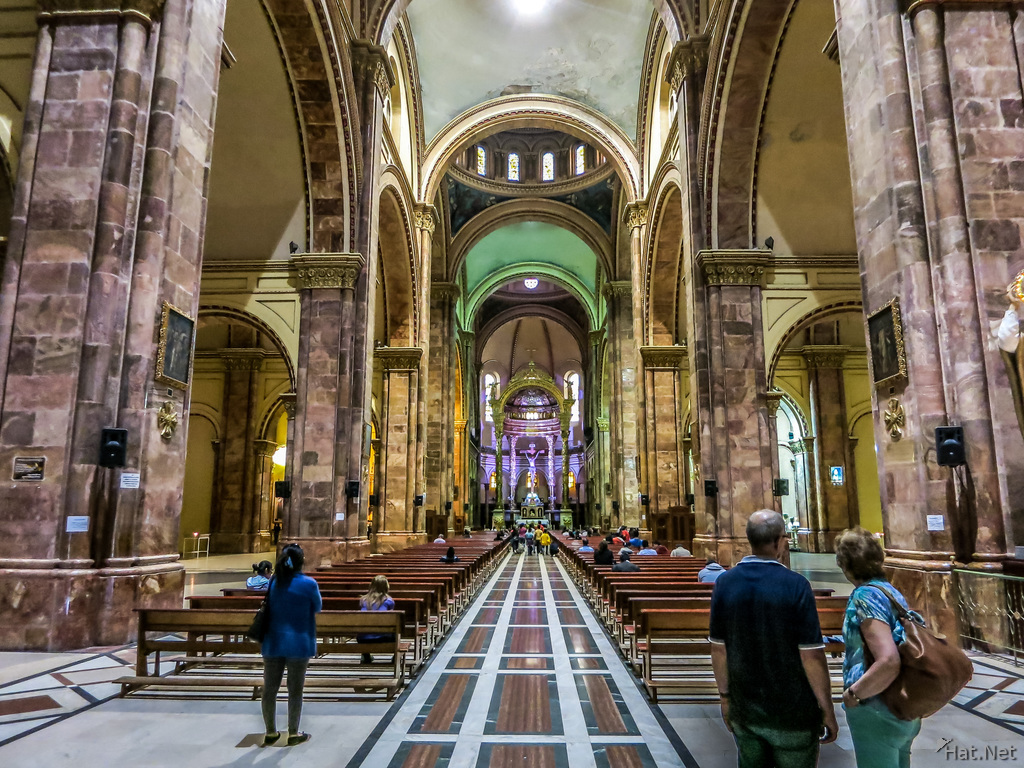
x=378, y=593
x=859, y=554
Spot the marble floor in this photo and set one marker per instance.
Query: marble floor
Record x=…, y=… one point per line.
x=526, y=678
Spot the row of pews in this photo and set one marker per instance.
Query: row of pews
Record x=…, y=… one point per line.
x=659, y=618
x=204, y=645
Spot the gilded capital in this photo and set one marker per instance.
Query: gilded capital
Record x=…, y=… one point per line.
x=734, y=267
x=636, y=215
x=425, y=217
x=373, y=60
x=327, y=270
x=398, y=358
x=145, y=11
x=688, y=57
x=663, y=357
x=603, y=425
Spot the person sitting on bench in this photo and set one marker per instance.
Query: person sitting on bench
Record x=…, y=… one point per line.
x=261, y=578
x=377, y=599
x=450, y=556
x=624, y=564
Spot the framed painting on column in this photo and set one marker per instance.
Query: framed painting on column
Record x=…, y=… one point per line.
x=885, y=338
x=174, y=351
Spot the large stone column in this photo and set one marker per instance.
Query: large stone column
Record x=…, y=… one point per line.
x=102, y=182
x=735, y=440
x=401, y=524
x=933, y=96
x=837, y=504
x=635, y=218
x=328, y=328
x=666, y=461
x=624, y=416
x=440, y=405
x=262, y=491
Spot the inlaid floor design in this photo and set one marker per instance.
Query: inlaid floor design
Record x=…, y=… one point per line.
x=528, y=679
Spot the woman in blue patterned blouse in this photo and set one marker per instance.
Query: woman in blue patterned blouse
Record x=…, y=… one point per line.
x=880, y=739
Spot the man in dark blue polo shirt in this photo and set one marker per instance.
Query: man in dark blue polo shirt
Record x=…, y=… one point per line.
x=768, y=655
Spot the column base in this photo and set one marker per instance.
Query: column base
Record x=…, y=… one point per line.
x=56, y=609
x=325, y=552
x=392, y=541
x=929, y=589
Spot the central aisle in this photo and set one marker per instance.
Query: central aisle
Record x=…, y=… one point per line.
x=526, y=680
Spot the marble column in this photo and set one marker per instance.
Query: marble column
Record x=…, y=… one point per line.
x=499, y=462
x=624, y=416
x=321, y=517
x=837, y=504
x=604, y=495
x=401, y=523
x=932, y=95
x=735, y=440
x=263, y=494
x=635, y=219
x=597, y=476
x=806, y=478
x=283, y=512
x=666, y=400
x=83, y=286
x=440, y=405
x=235, y=509
x=773, y=398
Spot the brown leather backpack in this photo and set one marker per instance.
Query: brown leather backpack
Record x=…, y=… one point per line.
x=932, y=670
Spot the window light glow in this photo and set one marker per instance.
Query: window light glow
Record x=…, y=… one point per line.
x=529, y=7
x=548, y=171
x=280, y=456
x=513, y=167
x=531, y=282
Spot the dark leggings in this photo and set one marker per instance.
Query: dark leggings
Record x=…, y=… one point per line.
x=273, y=671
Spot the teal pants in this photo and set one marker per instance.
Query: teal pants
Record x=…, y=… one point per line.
x=880, y=739
x=761, y=746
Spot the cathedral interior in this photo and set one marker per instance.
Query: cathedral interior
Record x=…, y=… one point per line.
x=357, y=274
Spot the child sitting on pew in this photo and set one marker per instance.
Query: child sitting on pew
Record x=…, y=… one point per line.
x=377, y=599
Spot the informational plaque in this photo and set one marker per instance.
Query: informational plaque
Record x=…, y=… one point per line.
x=28, y=468
x=129, y=479
x=77, y=524
x=936, y=523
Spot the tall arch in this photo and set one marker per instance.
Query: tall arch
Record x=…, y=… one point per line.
x=398, y=265
x=663, y=266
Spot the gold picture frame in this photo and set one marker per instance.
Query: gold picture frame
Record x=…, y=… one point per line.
x=174, y=351
x=888, y=356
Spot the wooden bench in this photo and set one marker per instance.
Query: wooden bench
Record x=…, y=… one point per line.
x=214, y=652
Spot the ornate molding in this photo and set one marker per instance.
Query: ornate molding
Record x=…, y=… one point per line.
x=774, y=400
x=374, y=62
x=663, y=358
x=688, y=57
x=824, y=355
x=289, y=400
x=617, y=288
x=425, y=217
x=895, y=419
x=398, y=358
x=239, y=359
x=596, y=337
x=166, y=420
x=603, y=425
x=445, y=291
x=145, y=11
x=636, y=215
x=327, y=270
x=734, y=267
x=803, y=445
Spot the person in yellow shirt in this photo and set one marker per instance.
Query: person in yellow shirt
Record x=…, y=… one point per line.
x=545, y=542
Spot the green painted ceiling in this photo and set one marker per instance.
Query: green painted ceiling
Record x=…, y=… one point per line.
x=530, y=241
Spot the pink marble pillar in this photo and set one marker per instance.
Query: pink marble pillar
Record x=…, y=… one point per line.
x=90, y=264
x=735, y=439
x=624, y=416
x=666, y=400
x=440, y=405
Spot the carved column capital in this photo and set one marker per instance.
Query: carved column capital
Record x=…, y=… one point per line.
x=398, y=358
x=289, y=401
x=617, y=288
x=635, y=214
x=264, y=448
x=145, y=11
x=774, y=399
x=238, y=359
x=688, y=57
x=445, y=291
x=603, y=425
x=663, y=357
x=425, y=217
x=734, y=267
x=596, y=337
x=373, y=61
x=824, y=355
x=327, y=270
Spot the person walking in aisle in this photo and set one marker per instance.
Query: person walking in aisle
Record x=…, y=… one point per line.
x=293, y=600
x=545, y=542
x=880, y=739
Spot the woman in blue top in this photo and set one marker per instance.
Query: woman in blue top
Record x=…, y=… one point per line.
x=376, y=599
x=293, y=601
x=261, y=580
x=880, y=739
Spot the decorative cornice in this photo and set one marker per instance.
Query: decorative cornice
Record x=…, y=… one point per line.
x=238, y=359
x=824, y=355
x=663, y=358
x=289, y=400
x=617, y=288
x=398, y=358
x=533, y=189
x=445, y=291
x=596, y=337
x=145, y=11
x=774, y=399
x=636, y=215
x=327, y=270
x=734, y=267
x=603, y=425
x=688, y=56
x=373, y=60
x=425, y=217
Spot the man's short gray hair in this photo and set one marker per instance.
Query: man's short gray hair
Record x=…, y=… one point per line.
x=765, y=527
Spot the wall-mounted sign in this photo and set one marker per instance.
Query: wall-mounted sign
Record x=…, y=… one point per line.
x=28, y=468
x=77, y=524
x=837, y=475
x=130, y=479
x=936, y=523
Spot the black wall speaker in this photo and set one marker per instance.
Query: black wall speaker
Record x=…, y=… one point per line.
x=283, y=489
x=710, y=487
x=352, y=489
x=447, y=506
x=417, y=500
x=113, y=447
x=645, y=500
x=949, y=444
x=780, y=487
x=615, y=506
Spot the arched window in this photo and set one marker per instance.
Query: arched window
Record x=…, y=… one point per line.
x=513, y=166
x=581, y=159
x=571, y=479
x=481, y=161
x=490, y=390
x=572, y=381
x=548, y=167
x=493, y=482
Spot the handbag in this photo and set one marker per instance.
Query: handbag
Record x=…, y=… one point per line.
x=261, y=621
x=932, y=670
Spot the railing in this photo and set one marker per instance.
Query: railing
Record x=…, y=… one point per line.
x=990, y=612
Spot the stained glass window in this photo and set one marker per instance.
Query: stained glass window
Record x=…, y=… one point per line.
x=548, y=167
x=513, y=166
x=481, y=161
x=581, y=159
